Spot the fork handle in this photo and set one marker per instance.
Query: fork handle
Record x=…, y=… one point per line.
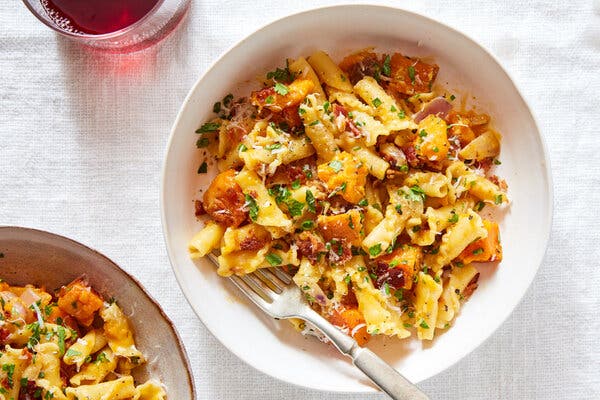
x=381, y=373
x=384, y=376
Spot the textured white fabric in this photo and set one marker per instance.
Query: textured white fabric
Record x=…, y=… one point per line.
x=82, y=138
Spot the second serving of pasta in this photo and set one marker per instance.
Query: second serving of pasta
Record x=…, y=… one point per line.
x=366, y=180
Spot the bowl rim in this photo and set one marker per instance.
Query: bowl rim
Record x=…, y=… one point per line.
x=115, y=267
x=546, y=172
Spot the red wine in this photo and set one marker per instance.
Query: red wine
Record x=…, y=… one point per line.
x=96, y=16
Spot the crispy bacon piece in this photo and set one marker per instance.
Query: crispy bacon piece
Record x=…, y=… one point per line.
x=309, y=246
x=224, y=200
x=343, y=122
x=198, y=208
x=471, y=286
x=398, y=268
x=411, y=76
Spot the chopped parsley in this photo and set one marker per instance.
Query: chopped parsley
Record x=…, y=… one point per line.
x=403, y=168
x=386, y=288
x=296, y=184
x=252, y=207
x=335, y=165
x=386, y=68
x=375, y=250
x=101, y=358
x=310, y=201
x=401, y=114
x=308, y=225
x=273, y=259
x=398, y=209
x=273, y=146
x=203, y=168
x=202, y=142
x=479, y=206
x=295, y=207
x=347, y=279
x=269, y=100
x=10, y=370
x=376, y=102
x=498, y=199
x=326, y=106
x=423, y=133
x=209, y=127
x=281, y=75
x=452, y=97
x=416, y=193
x=423, y=324
x=411, y=74
x=281, y=89
x=72, y=353
x=242, y=147
x=61, y=333
x=497, y=162
x=307, y=171
x=477, y=251
x=454, y=218
x=363, y=203
x=315, y=122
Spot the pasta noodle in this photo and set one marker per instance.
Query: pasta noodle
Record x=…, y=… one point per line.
x=366, y=182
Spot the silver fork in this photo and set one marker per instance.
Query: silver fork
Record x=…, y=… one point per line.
x=273, y=291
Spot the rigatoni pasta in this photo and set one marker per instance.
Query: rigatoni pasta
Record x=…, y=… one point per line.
x=365, y=181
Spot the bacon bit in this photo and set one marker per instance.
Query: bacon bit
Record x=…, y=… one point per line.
x=199, y=208
x=411, y=156
x=393, y=276
x=438, y=107
x=4, y=334
x=340, y=252
x=349, y=300
x=253, y=243
x=345, y=124
x=485, y=166
x=309, y=246
x=471, y=287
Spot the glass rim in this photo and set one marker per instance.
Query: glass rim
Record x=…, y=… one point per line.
x=108, y=35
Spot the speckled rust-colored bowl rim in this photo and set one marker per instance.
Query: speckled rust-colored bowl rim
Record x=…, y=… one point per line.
x=75, y=250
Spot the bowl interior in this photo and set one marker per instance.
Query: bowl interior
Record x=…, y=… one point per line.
x=44, y=259
x=468, y=71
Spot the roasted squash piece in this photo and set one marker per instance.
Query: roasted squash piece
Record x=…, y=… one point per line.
x=344, y=175
x=280, y=96
x=346, y=226
x=80, y=301
x=431, y=142
x=352, y=320
x=411, y=76
x=224, y=200
x=484, y=250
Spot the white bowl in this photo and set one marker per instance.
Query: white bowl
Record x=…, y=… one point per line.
x=273, y=346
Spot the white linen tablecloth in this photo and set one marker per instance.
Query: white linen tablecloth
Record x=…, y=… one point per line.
x=82, y=138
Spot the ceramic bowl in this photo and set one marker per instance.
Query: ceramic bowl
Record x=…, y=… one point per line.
x=45, y=259
x=467, y=69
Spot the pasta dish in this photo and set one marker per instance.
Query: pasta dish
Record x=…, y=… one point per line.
x=366, y=180
x=73, y=346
